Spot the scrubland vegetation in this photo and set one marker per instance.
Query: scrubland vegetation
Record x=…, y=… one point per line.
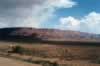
x=52, y=55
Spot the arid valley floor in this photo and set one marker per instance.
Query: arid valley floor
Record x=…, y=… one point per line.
x=38, y=54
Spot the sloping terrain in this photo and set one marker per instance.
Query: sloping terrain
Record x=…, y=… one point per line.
x=11, y=62
x=59, y=44
x=46, y=35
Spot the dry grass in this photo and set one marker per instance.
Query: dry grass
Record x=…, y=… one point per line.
x=68, y=53
x=60, y=51
x=11, y=62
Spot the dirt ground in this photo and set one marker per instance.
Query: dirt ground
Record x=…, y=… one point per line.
x=11, y=62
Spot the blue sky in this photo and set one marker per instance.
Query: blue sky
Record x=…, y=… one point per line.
x=82, y=8
x=79, y=11
x=77, y=15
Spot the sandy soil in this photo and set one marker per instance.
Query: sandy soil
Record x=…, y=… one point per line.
x=11, y=62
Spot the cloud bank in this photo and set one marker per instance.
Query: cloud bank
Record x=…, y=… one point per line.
x=88, y=23
x=29, y=13
x=33, y=13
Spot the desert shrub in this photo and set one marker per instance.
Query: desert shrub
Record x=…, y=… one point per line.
x=96, y=61
x=17, y=49
x=26, y=51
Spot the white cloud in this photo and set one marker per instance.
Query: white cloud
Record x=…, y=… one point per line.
x=45, y=11
x=88, y=23
x=30, y=13
x=61, y=3
x=92, y=22
x=69, y=23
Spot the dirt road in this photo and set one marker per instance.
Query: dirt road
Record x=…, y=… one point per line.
x=11, y=62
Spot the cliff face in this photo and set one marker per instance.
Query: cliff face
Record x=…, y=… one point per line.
x=46, y=34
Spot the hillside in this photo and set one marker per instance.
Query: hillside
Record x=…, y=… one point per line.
x=46, y=35
x=73, y=47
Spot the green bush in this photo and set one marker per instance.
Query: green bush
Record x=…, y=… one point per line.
x=17, y=49
x=98, y=61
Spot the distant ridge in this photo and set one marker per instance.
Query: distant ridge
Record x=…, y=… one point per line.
x=47, y=35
